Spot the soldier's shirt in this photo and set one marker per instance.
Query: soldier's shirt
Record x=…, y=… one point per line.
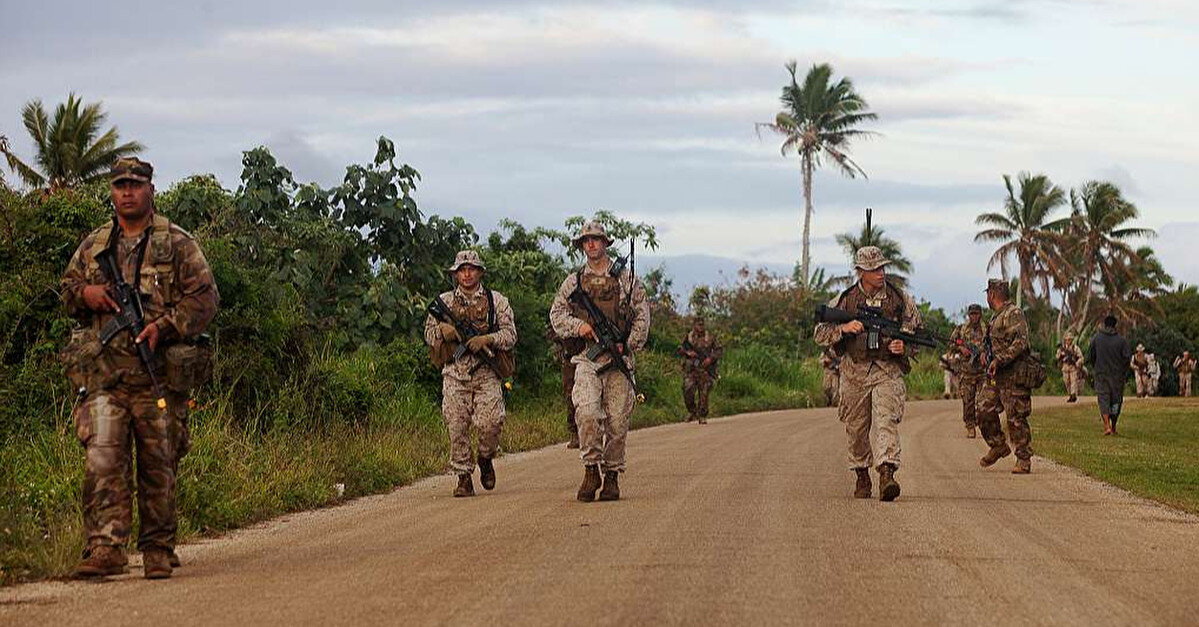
x=828, y=334
x=974, y=335
x=505, y=334
x=567, y=325
x=1009, y=335
x=1069, y=357
x=707, y=342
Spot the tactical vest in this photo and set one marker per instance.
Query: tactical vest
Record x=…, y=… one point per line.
x=604, y=290
x=480, y=316
x=852, y=300
x=156, y=275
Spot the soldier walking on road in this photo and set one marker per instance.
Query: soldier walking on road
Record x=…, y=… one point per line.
x=872, y=387
x=472, y=386
x=831, y=363
x=564, y=351
x=1005, y=389
x=1185, y=365
x=1109, y=357
x=701, y=357
x=949, y=375
x=603, y=396
x=1069, y=358
x=1140, y=368
x=122, y=404
x=968, y=338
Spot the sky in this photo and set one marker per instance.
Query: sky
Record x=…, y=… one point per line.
x=541, y=110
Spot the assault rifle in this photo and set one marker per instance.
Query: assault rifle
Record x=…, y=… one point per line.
x=610, y=340
x=441, y=312
x=701, y=355
x=130, y=315
x=877, y=326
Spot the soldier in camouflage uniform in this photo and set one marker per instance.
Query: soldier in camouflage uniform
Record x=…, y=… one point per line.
x=564, y=350
x=472, y=392
x=1185, y=365
x=968, y=339
x=603, y=396
x=1069, y=357
x=872, y=386
x=1140, y=369
x=1001, y=391
x=119, y=413
x=949, y=375
x=831, y=383
x=701, y=356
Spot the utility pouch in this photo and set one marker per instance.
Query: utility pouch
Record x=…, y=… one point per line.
x=189, y=365
x=506, y=361
x=84, y=361
x=441, y=353
x=1028, y=372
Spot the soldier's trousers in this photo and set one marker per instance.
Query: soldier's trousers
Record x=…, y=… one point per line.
x=1002, y=396
x=113, y=425
x=696, y=386
x=1142, y=384
x=478, y=401
x=832, y=388
x=968, y=387
x=1072, y=378
x=1184, y=384
x=875, y=404
x=568, y=386
x=603, y=403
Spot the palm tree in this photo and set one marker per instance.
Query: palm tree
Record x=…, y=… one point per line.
x=1025, y=234
x=818, y=120
x=1135, y=285
x=70, y=149
x=871, y=235
x=1099, y=216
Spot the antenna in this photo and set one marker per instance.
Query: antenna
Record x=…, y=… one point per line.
x=869, y=214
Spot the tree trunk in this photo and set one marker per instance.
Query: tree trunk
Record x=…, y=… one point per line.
x=805, y=261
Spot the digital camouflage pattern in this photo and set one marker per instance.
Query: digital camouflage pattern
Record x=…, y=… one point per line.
x=603, y=400
x=970, y=371
x=564, y=351
x=472, y=394
x=698, y=379
x=1069, y=358
x=118, y=417
x=871, y=387
x=1008, y=333
x=830, y=363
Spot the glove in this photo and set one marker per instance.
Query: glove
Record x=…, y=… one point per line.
x=480, y=342
x=448, y=332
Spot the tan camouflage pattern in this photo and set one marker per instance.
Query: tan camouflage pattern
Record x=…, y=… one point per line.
x=603, y=402
x=563, y=351
x=949, y=375
x=1009, y=341
x=872, y=390
x=1140, y=370
x=466, y=258
x=697, y=379
x=869, y=258
x=459, y=300
x=1186, y=370
x=1070, y=359
x=831, y=381
x=592, y=229
x=970, y=374
x=478, y=402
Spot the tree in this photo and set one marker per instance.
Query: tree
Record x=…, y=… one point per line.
x=70, y=149
x=1024, y=232
x=871, y=235
x=819, y=120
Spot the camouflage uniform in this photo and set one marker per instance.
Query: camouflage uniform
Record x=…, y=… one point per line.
x=970, y=370
x=472, y=393
x=1008, y=333
x=949, y=374
x=831, y=384
x=1140, y=368
x=697, y=378
x=1069, y=356
x=118, y=415
x=564, y=350
x=1185, y=365
x=872, y=387
x=603, y=397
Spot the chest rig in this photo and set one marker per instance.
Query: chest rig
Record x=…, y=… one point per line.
x=604, y=290
x=852, y=300
x=480, y=314
x=153, y=268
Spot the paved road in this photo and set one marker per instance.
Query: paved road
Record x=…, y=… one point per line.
x=747, y=520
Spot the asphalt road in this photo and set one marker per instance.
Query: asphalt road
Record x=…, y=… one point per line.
x=747, y=520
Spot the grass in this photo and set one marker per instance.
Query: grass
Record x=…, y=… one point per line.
x=1156, y=455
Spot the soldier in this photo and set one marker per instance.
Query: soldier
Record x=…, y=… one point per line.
x=1155, y=373
x=831, y=362
x=564, y=350
x=1002, y=391
x=701, y=356
x=1185, y=365
x=948, y=366
x=120, y=406
x=872, y=387
x=472, y=387
x=1140, y=369
x=969, y=338
x=603, y=396
x=1069, y=358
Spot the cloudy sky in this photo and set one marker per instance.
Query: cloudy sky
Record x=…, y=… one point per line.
x=535, y=110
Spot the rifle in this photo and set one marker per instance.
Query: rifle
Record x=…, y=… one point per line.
x=610, y=339
x=878, y=326
x=701, y=355
x=441, y=312
x=131, y=316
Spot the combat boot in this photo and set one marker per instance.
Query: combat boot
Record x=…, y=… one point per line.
x=574, y=440
x=591, y=483
x=888, y=488
x=995, y=454
x=486, y=473
x=1023, y=467
x=102, y=561
x=861, y=490
x=466, y=487
x=611, y=491
x=174, y=558
x=971, y=432
x=1072, y=399
x=156, y=563
x=703, y=421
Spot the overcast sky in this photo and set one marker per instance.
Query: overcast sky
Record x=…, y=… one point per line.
x=536, y=110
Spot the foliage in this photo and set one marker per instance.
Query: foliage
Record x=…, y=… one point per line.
x=1025, y=230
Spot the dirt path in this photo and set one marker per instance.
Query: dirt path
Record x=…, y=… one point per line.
x=747, y=520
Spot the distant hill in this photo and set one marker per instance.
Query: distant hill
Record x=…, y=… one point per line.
x=689, y=271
